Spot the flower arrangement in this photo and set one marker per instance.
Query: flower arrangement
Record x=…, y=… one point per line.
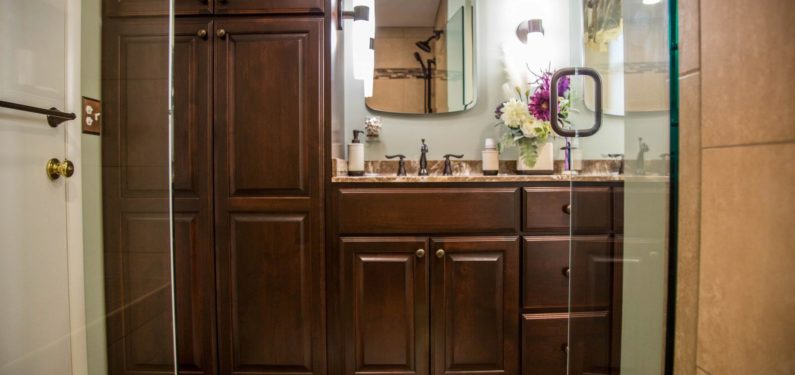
x=526, y=116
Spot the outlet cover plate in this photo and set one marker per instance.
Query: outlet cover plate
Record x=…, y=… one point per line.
x=92, y=116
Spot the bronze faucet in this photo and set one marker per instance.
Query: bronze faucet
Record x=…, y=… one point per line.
x=640, y=167
x=448, y=165
x=423, y=159
x=401, y=163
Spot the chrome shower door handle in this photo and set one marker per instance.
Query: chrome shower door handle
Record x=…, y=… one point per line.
x=553, y=104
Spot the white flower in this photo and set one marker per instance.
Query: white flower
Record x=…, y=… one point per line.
x=529, y=127
x=514, y=113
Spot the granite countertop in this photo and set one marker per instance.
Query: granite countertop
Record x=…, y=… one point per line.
x=469, y=171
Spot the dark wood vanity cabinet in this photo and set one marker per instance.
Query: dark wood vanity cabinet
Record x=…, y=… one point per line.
x=508, y=290
x=419, y=305
x=249, y=142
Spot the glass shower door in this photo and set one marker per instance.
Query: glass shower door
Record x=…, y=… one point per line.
x=616, y=150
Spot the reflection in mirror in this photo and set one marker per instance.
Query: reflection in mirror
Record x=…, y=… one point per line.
x=622, y=42
x=424, y=56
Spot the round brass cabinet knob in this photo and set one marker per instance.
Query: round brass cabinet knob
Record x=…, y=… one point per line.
x=56, y=169
x=440, y=253
x=221, y=33
x=420, y=253
x=202, y=33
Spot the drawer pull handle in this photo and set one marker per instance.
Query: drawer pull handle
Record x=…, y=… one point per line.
x=440, y=253
x=566, y=272
x=567, y=208
x=420, y=253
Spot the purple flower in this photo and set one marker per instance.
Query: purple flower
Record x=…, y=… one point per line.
x=539, y=102
x=539, y=105
x=498, y=111
x=563, y=86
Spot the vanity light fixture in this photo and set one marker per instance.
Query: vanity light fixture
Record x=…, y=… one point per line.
x=363, y=34
x=651, y=2
x=359, y=13
x=530, y=29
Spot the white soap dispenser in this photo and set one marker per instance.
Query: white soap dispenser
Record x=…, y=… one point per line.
x=356, y=155
x=491, y=158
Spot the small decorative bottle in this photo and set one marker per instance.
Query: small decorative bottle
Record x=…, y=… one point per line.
x=356, y=155
x=491, y=158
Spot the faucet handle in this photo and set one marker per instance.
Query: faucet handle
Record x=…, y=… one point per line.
x=401, y=163
x=448, y=165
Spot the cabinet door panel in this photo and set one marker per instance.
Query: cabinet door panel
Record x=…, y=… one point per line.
x=475, y=305
x=267, y=93
x=266, y=303
x=385, y=305
x=268, y=127
x=135, y=197
x=268, y=6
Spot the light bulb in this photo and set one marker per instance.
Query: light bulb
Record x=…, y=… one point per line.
x=363, y=32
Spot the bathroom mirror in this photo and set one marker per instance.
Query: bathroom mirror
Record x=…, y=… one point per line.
x=424, y=56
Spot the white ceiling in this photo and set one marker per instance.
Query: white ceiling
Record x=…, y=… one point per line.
x=405, y=13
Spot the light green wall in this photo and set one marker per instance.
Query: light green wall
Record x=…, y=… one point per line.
x=90, y=72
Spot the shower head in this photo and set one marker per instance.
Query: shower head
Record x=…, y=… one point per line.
x=425, y=45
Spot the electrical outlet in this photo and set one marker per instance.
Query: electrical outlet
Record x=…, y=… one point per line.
x=92, y=116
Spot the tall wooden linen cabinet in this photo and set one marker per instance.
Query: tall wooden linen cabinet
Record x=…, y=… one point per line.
x=250, y=141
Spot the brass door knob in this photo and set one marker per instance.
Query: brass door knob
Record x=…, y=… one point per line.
x=420, y=253
x=56, y=169
x=440, y=253
x=221, y=33
x=202, y=33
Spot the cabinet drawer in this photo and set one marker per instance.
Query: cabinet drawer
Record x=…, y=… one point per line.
x=269, y=6
x=427, y=210
x=550, y=210
x=548, y=273
x=546, y=338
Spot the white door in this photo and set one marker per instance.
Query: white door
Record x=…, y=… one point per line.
x=36, y=69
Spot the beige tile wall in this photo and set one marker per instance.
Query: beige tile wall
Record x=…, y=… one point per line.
x=736, y=279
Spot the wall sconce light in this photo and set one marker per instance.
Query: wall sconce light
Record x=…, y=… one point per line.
x=359, y=13
x=530, y=29
x=363, y=33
